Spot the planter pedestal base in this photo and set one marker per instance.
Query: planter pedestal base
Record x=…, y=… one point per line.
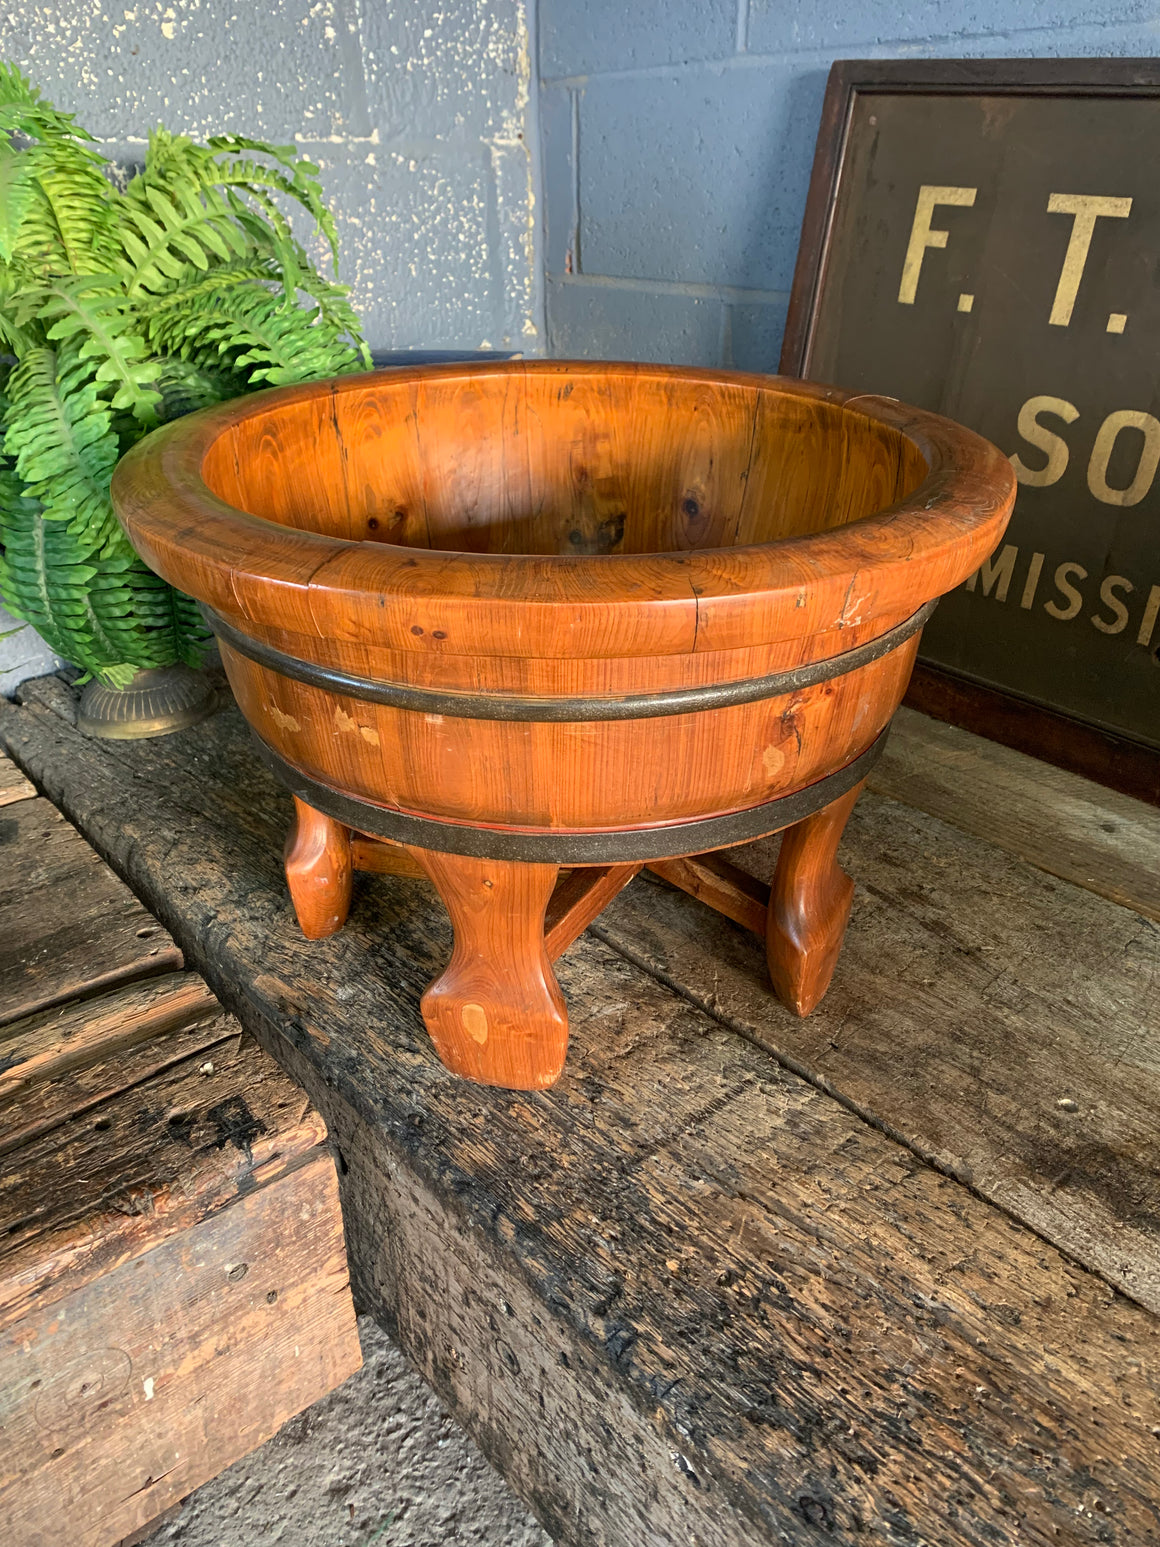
x=157, y=701
x=496, y=1015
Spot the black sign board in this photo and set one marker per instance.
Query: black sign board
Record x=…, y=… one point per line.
x=983, y=239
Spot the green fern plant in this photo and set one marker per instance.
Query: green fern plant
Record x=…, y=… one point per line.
x=123, y=306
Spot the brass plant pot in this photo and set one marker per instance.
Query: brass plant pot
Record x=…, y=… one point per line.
x=157, y=701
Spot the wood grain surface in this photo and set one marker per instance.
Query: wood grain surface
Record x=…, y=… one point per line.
x=809, y=904
x=96, y=1189
x=544, y=515
x=687, y=1294
x=716, y=881
x=13, y=785
x=1001, y=1022
x=1059, y=821
x=579, y=897
x=53, y=1043
x=317, y=860
x=67, y=925
x=428, y=511
x=496, y=1013
x=144, y=1383
x=34, y=1109
x=567, y=513
x=173, y=1280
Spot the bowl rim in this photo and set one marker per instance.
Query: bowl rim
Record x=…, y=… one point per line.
x=272, y=577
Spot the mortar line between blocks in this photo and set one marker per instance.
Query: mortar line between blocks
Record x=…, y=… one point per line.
x=574, y=95
x=742, y=26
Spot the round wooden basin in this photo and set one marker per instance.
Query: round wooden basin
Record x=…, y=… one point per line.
x=546, y=613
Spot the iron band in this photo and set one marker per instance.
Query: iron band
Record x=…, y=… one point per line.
x=489, y=706
x=612, y=846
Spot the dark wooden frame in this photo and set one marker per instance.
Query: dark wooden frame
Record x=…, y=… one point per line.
x=1116, y=761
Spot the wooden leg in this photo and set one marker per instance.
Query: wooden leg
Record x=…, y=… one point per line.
x=496, y=1015
x=809, y=906
x=578, y=899
x=318, y=870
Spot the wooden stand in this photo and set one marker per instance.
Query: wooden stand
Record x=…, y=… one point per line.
x=497, y=1015
x=542, y=614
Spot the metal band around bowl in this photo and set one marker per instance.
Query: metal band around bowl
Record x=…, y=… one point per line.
x=609, y=847
x=494, y=706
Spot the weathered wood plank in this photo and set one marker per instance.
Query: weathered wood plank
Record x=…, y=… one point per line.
x=685, y=1295
x=126, y=1035
x=149, y=1161
x=13, y=785
x=58, y=1041
x=68, y=926
x=1060, y=822
x=173, y=1281
x=999, y=1021
x=128, y=1393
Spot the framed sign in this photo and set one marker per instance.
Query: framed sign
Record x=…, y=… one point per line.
x=982, y=238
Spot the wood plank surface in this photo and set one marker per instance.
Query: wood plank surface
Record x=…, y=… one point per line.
x=59, y=1041
x=999, y=1021
x=127, y=1394
x=68, y=926
x=578, y=898
x=715, y=880
x=68, y=1060
x=150, y=1160
x=685, y=1295
x=1059, y=821
x=13, y=785
x=173, y=1278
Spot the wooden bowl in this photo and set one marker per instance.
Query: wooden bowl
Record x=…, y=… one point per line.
x=530, y=615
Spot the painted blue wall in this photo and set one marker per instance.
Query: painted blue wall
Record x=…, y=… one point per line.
x=418, y=114
x=678, y=137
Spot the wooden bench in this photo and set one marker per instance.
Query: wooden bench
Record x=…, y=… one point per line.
x=886, y=1274
x=173, y=1281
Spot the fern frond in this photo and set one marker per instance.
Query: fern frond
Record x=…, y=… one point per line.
x=55, y=200
x=45, y=575
x=134, y=608
x=19, y=170
x=112, y=617
x=292, y=175
x=59, y=437
x=186, y=386
x=175, y=162
x=189, y=629
x=166, y=230
x=23, y=110
x=91, y=313
x=335, y=310
x=125, y=303
x=16, y=336
x=257, y=333
x=78, y=218
x=189, y=295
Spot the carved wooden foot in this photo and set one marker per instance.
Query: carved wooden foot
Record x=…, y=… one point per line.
x=497, y=1014
x=809, y=906
x=318, y=870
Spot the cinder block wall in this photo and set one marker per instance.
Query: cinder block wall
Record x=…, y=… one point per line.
x=420, y=116
x=678, y=139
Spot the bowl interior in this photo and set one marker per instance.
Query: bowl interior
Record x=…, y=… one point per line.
x=552, y=463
